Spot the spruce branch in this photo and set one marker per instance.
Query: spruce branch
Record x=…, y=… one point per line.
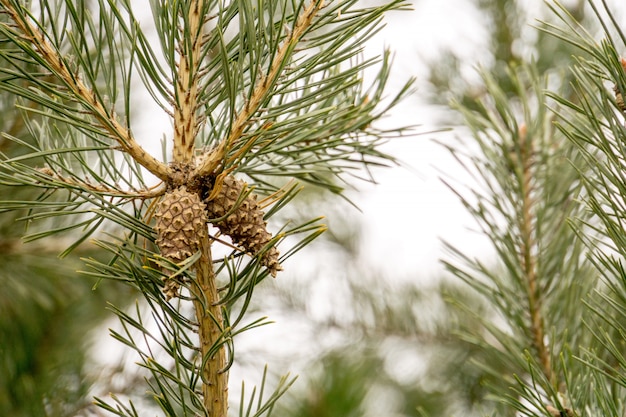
x=56, y=63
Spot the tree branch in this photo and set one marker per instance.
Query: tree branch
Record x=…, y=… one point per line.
x=210, y=331
x=211, y=161
x=52, y=177
x=529, y=259
x=56, y=63
x=186, y=121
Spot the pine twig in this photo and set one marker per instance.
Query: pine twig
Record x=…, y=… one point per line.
x=211, y=322
x=56, y=63
x=213, y=160
x=528, y=258
x=206, y=304
x=186, y=121
x=142, y=194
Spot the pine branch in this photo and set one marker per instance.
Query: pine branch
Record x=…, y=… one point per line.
x=593, y=120
x=166, y=251
x=56, y=63
x=187, y=122
x=54, y=180
x=213, y=160
x=528, y=252
x=208, y=310
x=523, y=196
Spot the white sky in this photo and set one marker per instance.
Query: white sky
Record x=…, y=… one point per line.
x=407, y=213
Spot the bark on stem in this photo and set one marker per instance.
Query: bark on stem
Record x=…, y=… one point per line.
x=186, y=122
x=186, y=126
x=210, y=331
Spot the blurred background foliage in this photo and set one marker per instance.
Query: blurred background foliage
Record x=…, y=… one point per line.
x=512, y=39
x=375, y=346
x=49, y=313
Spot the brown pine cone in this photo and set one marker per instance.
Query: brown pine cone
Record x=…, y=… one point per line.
x=180, y=224
x=244, y=224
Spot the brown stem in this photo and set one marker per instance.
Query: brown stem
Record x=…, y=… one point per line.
x=206, y=304
x=95, y=107
x=50, y=177
x=186, y=123
x=529, y=259
x=214, y=159
x=210, y=331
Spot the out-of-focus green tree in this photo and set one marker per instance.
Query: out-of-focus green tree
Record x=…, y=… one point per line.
x=47, y=310
x=513, y=37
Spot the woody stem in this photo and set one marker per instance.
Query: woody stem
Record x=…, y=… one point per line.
x=210, y=329
x=185, y=112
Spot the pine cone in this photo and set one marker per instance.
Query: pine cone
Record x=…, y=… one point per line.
x=245, y=224
x=180, y=224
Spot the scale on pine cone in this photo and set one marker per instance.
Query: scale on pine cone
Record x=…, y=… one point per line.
x=242, y=220
x=181, y=222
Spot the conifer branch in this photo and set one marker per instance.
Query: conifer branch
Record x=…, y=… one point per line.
x=186, y=121
x=528, y=256
x=213, y=160
x=144, y=194
x=278, y=87
x=107, y=120
x=208, y=310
